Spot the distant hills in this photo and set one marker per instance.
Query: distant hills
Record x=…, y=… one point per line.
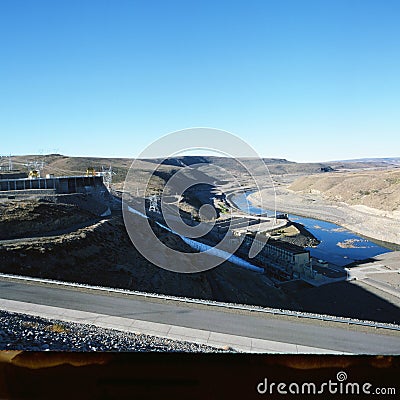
x=379, y=189
x=64, y=165
x=387, y=160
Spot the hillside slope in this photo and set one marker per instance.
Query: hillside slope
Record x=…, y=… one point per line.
x=375, y=189
x=65, y=165
x=101, y=253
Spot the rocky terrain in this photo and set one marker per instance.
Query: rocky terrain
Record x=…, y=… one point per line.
x=98, y=251
x=101, y=253
x=21, y=219
x=296, y=234
x=24, y=332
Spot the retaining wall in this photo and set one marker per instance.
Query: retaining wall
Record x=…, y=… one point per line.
x=87, y=192
x=61, y=184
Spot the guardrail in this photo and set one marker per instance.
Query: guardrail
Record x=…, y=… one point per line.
x=273, y=311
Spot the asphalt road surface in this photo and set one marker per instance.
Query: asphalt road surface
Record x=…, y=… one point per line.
x=211, y=318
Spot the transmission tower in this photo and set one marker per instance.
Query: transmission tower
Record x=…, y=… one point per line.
x=107, y=174
x=35, y=166
x=154, y=203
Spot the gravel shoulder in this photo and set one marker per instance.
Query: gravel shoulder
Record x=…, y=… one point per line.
x=24, y=332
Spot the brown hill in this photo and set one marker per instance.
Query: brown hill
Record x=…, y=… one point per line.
x=378, y=189
x=220, y=167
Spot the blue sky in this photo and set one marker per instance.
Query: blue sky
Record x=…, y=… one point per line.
x=303, y=80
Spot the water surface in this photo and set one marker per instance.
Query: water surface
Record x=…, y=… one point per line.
x=338, y=245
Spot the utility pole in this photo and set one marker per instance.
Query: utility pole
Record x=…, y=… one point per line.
x=10, y=164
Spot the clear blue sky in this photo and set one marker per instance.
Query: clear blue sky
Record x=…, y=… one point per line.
x=304, y=80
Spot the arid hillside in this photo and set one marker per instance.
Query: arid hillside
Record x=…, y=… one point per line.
x=59, y=241
x=377, y=189
x=19, y=219
x=220, y=167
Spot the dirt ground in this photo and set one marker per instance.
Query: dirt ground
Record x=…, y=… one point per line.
x=20, y=219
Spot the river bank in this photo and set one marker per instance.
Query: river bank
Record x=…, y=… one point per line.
x=293, y=232
x=365, y=221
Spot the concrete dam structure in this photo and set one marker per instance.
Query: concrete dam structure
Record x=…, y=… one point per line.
x=86, y=192
x=60, y=184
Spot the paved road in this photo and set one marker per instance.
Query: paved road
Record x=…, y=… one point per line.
x=250, y=324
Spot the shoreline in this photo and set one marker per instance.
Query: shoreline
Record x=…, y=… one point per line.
x=374, y=227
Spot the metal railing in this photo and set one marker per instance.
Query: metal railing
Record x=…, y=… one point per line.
x=266, y=310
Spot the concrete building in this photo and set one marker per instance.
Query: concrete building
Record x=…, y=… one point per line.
x=293, y=260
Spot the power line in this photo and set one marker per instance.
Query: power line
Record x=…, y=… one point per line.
x=36, y=166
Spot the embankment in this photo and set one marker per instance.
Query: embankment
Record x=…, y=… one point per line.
x=365, y=221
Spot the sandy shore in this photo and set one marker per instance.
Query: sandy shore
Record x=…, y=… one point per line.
x=362, y=220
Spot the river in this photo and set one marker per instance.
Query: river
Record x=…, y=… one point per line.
x=330, y=235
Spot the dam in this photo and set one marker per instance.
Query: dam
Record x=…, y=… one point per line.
x=59, y=184
x=87, y=192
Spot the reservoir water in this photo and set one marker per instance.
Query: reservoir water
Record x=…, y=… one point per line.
x=338, y=245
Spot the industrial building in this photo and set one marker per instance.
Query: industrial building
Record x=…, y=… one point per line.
x=292, y=260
